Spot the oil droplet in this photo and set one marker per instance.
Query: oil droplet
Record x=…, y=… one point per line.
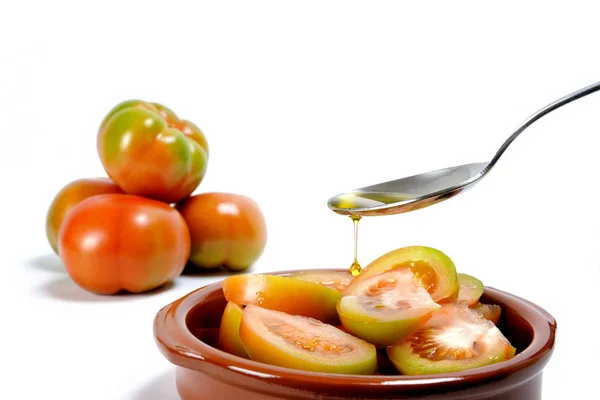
x=355, y=267
x=260, y=298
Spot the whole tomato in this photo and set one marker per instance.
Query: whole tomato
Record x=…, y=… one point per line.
x=148, y=151
x=116, y=242
x=68, y=197
x=226, y=229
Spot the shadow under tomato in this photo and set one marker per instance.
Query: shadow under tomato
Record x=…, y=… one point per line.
x=66, y=289
x=49, y=263
x=161, y=387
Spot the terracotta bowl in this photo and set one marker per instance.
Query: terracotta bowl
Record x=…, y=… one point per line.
x=186, y=332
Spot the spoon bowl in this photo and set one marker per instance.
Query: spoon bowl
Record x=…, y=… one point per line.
x=408, y=194
x=422, y=190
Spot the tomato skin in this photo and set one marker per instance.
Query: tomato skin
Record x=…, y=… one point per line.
x=229, y=331
x=470, y=289
x=148, y=155
x=284, y=294
x=68, y=197
x=188, y=128
x=116, y=242
x=226, y=229
x=338, y=280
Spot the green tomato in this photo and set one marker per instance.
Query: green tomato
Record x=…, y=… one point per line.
x=148, y=151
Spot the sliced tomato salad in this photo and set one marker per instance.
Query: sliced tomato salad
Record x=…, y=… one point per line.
x=409, y=312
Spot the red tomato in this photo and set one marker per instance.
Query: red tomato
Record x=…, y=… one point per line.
x=116, y=242
x=69, y=197
x=226, y=230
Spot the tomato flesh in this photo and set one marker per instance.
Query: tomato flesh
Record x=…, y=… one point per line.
x=302, y=343
x=285, y=294
x=456, y=338
x=338, y=280
x=229, y=331
x=385, y=308
x=470, y=290
x=432, y=269
x=489, y=311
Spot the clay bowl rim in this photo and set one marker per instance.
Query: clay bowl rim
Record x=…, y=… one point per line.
x=183, y=349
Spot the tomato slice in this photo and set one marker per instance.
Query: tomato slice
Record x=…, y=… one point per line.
x=456, y=338
x=285, y=294
x=229, y=332
x=433, y=270
x=386, y=308
x=470, y=290
x=338, y=280
x=297, y=342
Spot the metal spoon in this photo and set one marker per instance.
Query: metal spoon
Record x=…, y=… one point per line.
x=418, y=191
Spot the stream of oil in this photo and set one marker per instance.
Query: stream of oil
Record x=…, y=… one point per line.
x=365, y=200
x=355, y=267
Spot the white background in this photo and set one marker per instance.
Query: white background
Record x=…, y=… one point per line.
x=301, y=100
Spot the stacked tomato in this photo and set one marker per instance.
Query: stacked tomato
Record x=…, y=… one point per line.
x=409, y=309
x=137, y=229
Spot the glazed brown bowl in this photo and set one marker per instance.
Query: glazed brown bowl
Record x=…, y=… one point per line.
x=186, y=332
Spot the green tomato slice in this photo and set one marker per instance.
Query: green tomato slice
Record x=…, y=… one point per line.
x=338, y=280
x=386, y=308
x=456, y=338
x=229, y=331
x=297, y=342
x=470, y=289
x=280, y=293
x=489, y=311
x=432, y=270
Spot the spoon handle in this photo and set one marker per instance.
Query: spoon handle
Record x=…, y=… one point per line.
x=539, y=114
